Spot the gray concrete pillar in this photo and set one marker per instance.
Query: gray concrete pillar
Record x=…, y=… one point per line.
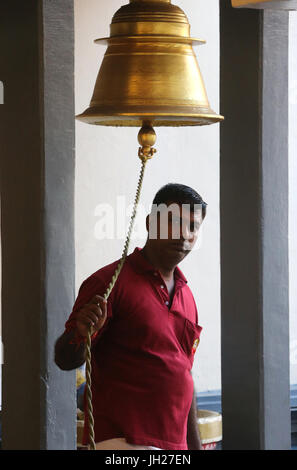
x=37, y=220
x=254, y=229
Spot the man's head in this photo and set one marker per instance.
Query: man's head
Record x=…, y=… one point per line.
x=177, y=214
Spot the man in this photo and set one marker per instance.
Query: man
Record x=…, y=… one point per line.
x=144, y=336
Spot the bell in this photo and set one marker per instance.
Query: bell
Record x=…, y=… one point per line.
x=149, y=74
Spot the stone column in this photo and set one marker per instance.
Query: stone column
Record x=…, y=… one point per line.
x=254, y=228
x=37, y=220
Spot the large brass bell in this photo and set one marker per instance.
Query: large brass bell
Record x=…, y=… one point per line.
x=149, y=74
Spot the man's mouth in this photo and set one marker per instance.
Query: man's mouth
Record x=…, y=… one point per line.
x=181, y=247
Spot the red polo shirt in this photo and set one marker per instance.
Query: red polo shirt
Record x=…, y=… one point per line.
x=141, y=359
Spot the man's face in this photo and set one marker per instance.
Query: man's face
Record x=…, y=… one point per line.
x=174, y=229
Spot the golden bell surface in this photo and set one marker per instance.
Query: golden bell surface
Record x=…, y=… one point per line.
x=149, y=74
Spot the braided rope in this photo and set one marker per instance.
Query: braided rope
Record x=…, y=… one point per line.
x=89, y=393
x=114, y=278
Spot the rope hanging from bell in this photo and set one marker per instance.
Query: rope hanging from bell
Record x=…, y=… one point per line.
x=146, y=138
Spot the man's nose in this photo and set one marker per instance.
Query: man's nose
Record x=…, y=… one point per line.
x=185, y=232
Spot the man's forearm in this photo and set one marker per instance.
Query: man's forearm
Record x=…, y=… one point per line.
x=193, y=435
x=68, y=355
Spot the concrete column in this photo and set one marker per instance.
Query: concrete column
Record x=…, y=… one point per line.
x=37, y=220
x=254, y=229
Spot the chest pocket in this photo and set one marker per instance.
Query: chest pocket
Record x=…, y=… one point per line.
x=191, y=339
x=188, y=335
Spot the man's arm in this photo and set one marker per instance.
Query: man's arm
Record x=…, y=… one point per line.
x=68, y=354
x=193, y=435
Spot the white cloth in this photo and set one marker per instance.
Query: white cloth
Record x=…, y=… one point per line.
x=121, y=444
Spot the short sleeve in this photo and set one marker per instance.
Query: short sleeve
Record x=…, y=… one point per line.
x=92, y=286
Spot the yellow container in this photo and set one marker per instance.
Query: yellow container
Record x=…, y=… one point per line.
x=210, y=428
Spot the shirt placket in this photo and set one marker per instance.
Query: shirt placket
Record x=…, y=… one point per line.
x=161, y=288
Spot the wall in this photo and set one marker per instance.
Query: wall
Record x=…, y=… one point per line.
x=107, y=166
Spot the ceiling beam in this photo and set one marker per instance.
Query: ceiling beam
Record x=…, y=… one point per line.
x=266, y=4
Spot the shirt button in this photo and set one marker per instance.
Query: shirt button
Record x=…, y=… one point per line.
x=162, y=287
x=167, y=303
x=155, y=274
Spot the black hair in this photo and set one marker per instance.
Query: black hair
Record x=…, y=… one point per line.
x=180, y=194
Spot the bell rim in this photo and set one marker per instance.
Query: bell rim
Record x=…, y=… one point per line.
x=155, y=119
x=156, y=37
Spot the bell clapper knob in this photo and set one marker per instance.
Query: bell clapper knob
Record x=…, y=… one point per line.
x=147, y=139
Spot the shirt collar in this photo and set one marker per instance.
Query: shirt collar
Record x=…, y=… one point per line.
x=141, y=265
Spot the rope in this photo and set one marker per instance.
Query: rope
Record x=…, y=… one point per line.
x=114, y=278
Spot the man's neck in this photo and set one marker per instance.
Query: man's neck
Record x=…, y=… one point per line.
x=150, y=255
